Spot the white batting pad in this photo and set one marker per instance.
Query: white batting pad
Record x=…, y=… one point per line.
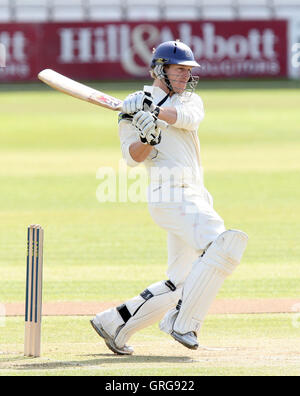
x=141, y=311
x=168, y=321
x=149, y=312
x=206, y=278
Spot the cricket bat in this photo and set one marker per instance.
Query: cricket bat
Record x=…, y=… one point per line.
x=79, y=91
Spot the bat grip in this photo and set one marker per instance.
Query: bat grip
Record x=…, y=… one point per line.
x=161, y=124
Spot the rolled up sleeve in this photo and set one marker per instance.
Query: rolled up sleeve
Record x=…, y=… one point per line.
x=190, y=113
x=128, y=136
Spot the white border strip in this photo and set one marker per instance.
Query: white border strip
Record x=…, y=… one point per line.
x=294, y=48
x=2, y=55
x=2, y=315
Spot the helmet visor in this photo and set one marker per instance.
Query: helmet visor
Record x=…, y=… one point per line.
x=189, y=63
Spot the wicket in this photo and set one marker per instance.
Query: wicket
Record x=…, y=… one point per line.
x=34, y=281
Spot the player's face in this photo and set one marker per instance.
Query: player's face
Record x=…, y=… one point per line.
x=179, y=76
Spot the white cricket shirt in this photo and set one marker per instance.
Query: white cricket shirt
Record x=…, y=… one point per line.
x=178, y=153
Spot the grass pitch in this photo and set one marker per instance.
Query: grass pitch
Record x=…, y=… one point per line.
x=230, y=345
x=51, y=149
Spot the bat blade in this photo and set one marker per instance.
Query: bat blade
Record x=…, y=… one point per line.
x=80, y=91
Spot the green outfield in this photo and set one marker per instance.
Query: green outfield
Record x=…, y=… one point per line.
x=51, y=148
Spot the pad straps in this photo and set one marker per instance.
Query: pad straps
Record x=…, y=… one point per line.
x=146, y=295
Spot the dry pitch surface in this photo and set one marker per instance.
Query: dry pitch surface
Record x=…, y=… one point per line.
x=240, y=344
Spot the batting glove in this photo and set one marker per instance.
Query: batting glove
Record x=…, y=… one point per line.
x=145, y=123
x=138, y=101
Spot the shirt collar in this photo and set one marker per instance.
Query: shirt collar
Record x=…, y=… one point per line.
x=157, y=93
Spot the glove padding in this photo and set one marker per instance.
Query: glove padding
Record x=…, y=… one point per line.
x=138, y=101
x=145, y=123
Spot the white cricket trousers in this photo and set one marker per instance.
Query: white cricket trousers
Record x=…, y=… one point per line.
x=192, y=224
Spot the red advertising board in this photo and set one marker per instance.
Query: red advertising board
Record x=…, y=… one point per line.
x=21, y=43
x=123, y=50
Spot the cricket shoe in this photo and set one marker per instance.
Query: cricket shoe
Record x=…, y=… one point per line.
x=189, y=339
x=109, y=341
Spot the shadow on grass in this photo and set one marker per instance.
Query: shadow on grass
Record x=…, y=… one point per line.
x=99, y=360
x=12, y=359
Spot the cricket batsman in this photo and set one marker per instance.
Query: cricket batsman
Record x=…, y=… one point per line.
x=159, y=127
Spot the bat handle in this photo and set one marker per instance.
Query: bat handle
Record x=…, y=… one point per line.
x=161, y=124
